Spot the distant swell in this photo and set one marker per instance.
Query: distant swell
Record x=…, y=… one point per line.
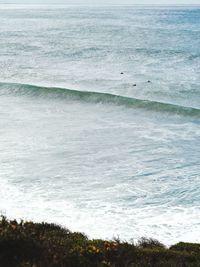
x=96, y=97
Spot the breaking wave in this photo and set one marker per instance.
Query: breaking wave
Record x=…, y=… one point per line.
x=96, y=97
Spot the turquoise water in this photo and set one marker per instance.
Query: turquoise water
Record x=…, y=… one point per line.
x=87, y=147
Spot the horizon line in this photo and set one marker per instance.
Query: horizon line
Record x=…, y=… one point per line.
x=64, y=4
x=99, y=4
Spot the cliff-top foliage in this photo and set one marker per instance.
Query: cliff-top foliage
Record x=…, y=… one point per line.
x=28, y=244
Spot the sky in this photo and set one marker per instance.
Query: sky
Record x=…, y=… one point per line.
x=176, y=2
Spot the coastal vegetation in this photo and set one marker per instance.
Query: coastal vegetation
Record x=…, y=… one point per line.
x=28, y=244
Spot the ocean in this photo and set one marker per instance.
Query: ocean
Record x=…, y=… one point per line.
x=100, y=119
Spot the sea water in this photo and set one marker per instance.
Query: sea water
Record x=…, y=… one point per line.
x=100, y=119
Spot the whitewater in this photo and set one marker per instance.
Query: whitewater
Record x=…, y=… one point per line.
x=100, y=119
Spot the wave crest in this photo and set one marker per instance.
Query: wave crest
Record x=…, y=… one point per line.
x=96, y=97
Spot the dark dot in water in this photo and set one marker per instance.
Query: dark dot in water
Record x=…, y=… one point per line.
x=149, y=81
x=134, y=84
x=121, y=73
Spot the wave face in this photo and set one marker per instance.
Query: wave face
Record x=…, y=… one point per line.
x=128, y=150
x=97, y=97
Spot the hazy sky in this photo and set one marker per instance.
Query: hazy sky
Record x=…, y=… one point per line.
x=177, y=2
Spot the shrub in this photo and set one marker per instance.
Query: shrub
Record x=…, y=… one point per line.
x=150, y=243
x=28, y=244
